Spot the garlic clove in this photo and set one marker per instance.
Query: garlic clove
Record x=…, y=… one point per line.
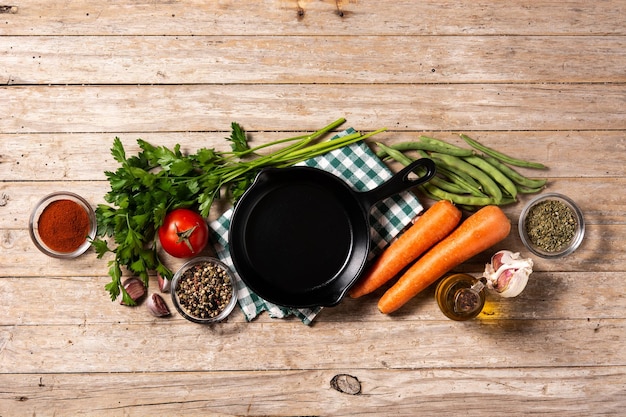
x=515, y=284
x=156, y=305
x=135, y=288
x=164, y=283
x=497, y=259
x=508, y=273
x=503, y=280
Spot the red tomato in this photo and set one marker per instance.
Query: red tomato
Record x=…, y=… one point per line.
x=184, y=233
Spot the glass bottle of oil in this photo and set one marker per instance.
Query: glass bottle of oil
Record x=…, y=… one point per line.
x=460, y=296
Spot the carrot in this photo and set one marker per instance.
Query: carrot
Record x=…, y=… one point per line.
x=432, y=226
x=480, y=231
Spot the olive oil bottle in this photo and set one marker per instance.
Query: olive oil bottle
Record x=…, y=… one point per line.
x=460, y=296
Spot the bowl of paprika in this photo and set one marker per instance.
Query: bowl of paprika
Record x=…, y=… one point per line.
x=62, y=225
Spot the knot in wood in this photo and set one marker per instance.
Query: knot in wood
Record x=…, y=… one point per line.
x=346, y=384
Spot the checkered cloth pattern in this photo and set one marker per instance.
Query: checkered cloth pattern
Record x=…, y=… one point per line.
x=363, y=170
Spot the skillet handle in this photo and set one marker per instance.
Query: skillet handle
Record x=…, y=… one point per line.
x=402, y=181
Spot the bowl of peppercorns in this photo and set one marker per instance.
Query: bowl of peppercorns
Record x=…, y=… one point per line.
x=551, y=226
x=203, y=290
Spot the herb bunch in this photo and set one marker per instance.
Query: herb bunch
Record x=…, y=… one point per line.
x=157, y=180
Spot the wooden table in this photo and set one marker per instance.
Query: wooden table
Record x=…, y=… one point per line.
x=545, y=80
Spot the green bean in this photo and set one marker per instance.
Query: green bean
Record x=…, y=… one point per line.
x=444, y=167
x=448, y=186
x=422, y=153
x=467, y=208
x=465, y=179
x=507, y=200
x=526, y=190
x=489, y=185
x=456, y=181
x=494, y=173
x=394, y=154
x=433, y=145
x=451, y=149
x=469, y=187
x=515, y=176
x=382, y=155
x=406, y=160
x=439, y=194
x=500, y=156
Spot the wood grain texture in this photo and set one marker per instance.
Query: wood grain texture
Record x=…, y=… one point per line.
x=416, y=107
x=434, y=391
x=534, y=343
x=317, y=59
x=544, y=80
x=549, y=296
x=55, y=156
x=312, y=17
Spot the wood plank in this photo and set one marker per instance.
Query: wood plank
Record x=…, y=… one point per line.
x=62, y=157
x=415, y=107
x=289, y=345
x=254, y=60
x=548, y=296
x=326, y=17
x=589, y=391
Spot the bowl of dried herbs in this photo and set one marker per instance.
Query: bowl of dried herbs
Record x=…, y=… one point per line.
x=203, y=290
x=551, y=225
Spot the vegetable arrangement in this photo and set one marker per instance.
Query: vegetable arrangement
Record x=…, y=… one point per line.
x=431, y=227
x=465, y=177
x=158, y=180
x=480, y=231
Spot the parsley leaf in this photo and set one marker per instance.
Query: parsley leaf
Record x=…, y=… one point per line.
x=238, y=138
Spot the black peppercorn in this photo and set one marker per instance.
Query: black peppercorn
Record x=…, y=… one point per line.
x=204, y=290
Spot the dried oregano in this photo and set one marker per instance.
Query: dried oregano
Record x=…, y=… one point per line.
x=551, y=225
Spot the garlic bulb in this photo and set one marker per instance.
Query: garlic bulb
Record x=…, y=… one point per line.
x=508, y=273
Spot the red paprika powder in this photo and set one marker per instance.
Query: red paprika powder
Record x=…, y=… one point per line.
x=63, y=226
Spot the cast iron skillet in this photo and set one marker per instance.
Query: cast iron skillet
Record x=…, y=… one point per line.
x=300, y=236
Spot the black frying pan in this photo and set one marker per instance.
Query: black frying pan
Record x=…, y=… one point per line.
x=300, y=236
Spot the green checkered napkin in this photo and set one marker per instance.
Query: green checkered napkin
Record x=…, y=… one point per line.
x=363, y=170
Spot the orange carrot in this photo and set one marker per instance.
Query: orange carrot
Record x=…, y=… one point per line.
x=432, y=226
x=480, y=231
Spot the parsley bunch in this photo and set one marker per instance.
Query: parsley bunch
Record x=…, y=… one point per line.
x=157, y=180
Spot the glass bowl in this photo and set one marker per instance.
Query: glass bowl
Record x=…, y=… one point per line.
x=44, y=224
x=208, y=282
x=539, y=241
